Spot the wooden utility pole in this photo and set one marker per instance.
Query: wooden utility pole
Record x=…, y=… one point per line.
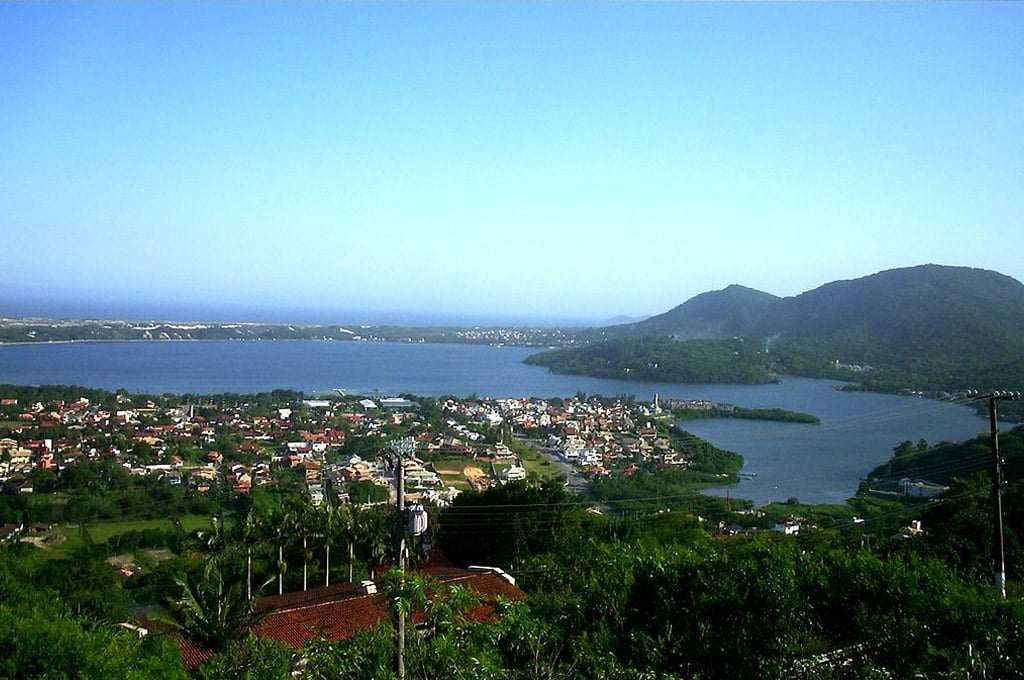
x=401, y=448
x=998, y=544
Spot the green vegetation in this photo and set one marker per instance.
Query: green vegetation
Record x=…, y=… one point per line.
x=914, y=329
x=663, y=360
x=776, y=414
x=639, y=581
x=537, y=466
x=127, y=535
x=944, y=461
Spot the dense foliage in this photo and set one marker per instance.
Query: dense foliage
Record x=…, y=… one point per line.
x=663, y=360
x=946, y=460
x=775, y=414
x=637, y=582
x=927, y=328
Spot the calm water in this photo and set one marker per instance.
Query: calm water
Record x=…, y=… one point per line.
x=816, y=463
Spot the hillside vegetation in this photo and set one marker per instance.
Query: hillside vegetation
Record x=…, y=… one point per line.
x=931, y=328
x=646, y=578
x=662, y=359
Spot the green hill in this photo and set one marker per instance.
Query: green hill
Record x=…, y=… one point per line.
x=734, y=311
x=928, y=328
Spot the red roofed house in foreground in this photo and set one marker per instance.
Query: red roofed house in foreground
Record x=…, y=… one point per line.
x=339, y=612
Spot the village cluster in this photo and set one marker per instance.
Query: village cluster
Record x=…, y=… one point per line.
x=459, y=443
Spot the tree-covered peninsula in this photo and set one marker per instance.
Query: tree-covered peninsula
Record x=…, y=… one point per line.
x=930, y=329
x=660, y=359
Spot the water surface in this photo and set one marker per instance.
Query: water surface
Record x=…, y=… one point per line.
x=815, y=463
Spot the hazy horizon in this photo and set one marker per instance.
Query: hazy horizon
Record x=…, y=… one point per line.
x=557, y=163
x=208, y=312
x=112, y=310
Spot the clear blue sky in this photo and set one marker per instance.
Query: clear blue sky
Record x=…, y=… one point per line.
x=534, y=160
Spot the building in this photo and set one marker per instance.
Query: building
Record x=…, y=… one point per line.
x=920, y=489
x=787, y=526
x=339, y=612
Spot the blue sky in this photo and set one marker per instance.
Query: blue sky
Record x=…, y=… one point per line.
x=562, y=161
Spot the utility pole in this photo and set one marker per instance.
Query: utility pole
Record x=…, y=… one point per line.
x=401, y=448
x=998, y=545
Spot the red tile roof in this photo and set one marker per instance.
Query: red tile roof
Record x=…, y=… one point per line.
x=338, y=612
x=192, y=657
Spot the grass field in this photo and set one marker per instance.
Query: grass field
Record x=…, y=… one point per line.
x=535, y=462
x=450, y=470
x=101, y=532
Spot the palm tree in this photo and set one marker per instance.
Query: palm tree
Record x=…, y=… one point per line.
x=304, y=520
x=215, y=539
x=279, y=522
x=247, y=532
x=333, y=521
x=212, y=612
x=372, y=531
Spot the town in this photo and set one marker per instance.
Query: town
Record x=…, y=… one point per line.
x=144, y=511
x=327, y=448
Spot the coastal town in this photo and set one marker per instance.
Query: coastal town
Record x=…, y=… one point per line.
x=328, y=447
x=33, y=330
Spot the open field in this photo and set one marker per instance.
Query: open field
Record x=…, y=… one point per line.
x=101, y=532
x=537, y=464
x=452, y=471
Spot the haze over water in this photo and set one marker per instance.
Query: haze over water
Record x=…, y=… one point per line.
x=815, y=463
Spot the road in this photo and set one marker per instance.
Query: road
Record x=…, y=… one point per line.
x=575, y=482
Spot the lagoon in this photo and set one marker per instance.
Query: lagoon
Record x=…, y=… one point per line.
x=815, y=463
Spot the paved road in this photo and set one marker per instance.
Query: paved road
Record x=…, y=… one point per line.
x=576, y=483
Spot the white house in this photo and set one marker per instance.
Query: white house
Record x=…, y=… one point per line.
x=788, y=527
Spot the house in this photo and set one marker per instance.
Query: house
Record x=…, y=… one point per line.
x=920, y=489
x=338, y=612
x=20, y=457
x=516, y=473
x=396, y=403
x=9, y=531
x=503, y=454
x=787, y=526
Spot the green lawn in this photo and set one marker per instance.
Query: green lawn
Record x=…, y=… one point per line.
x=540, y=466
x=101, y=532
x=535, y=462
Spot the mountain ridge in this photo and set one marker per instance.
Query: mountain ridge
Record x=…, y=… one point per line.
x=933, y=327
x=766, y=314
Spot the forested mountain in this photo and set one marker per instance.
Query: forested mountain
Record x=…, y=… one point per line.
x=930, y=308
x=734, y=311
x=930, y=327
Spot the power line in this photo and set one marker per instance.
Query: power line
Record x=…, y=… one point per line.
x=998, y=548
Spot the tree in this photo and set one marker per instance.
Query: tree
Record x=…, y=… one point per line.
x=372, y=531
x=41, y=638
x=251, y=658
x=247, y=531
x=334, y=523
x=212, y=612
x=87, y=584
x=505, y=524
